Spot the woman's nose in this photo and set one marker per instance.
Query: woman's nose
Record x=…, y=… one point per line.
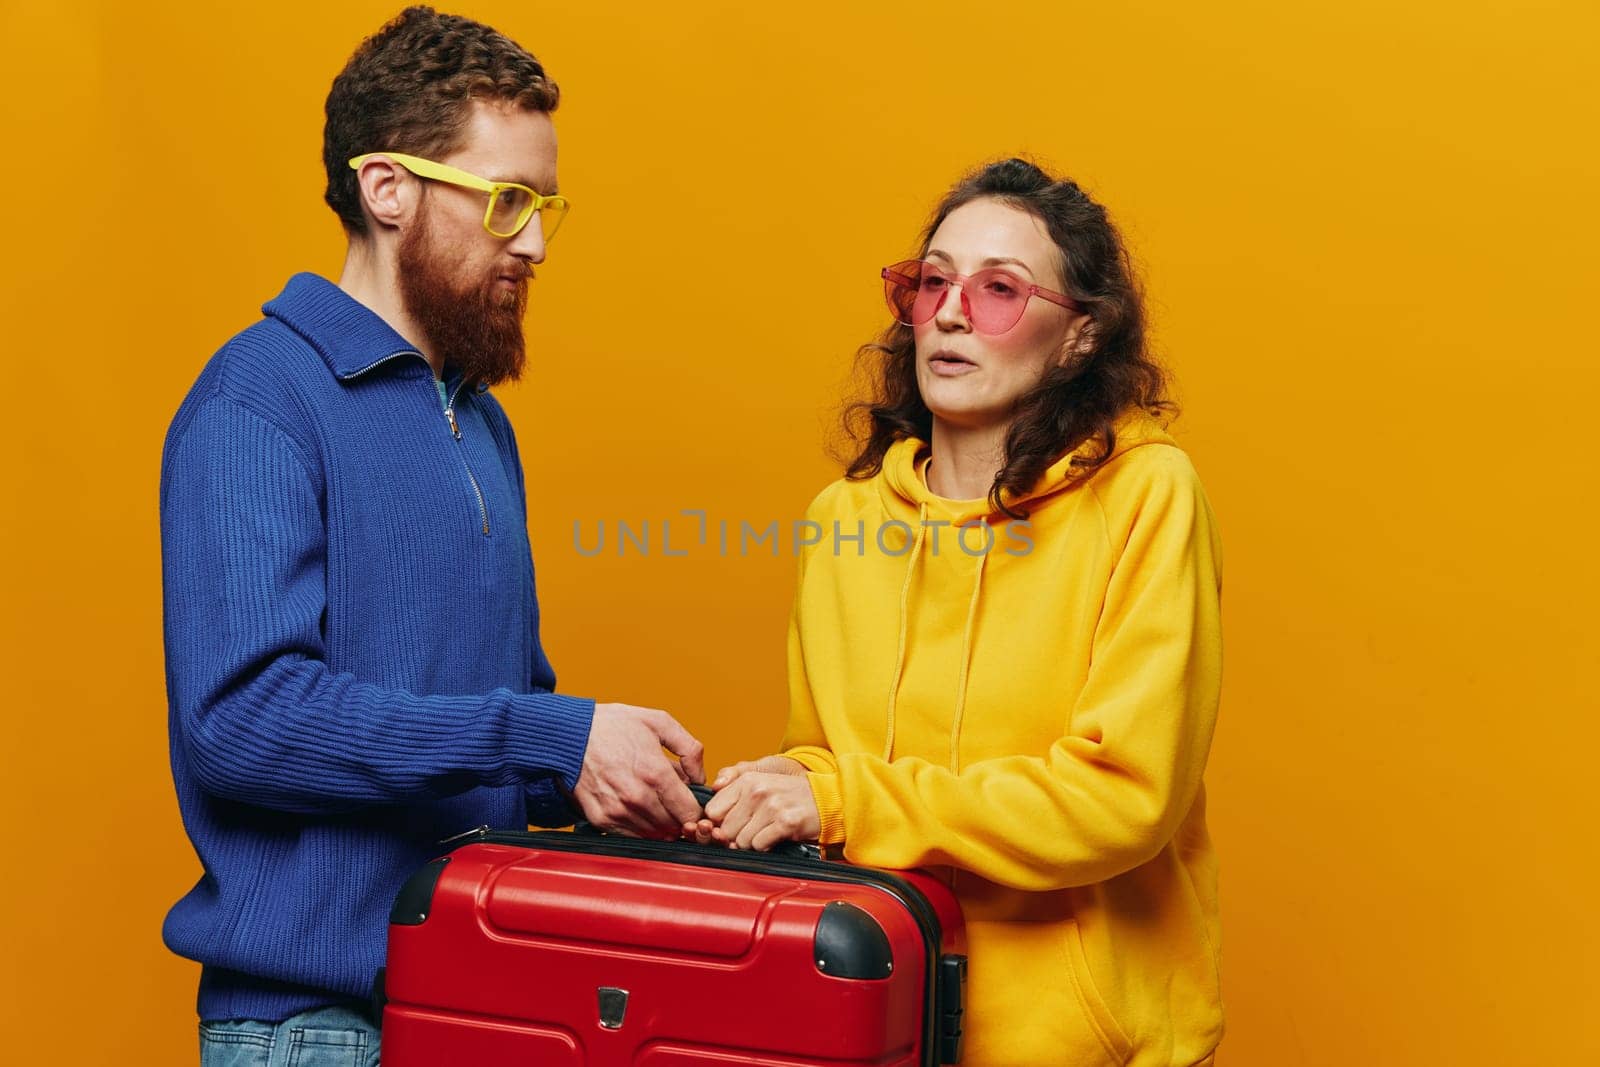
x=952, y=314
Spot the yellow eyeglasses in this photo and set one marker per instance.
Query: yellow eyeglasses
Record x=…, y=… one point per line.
x=510, y=205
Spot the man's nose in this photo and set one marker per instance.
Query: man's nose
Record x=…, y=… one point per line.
x=528, y=244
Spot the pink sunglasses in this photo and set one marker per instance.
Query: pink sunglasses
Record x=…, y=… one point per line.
x=993, y=300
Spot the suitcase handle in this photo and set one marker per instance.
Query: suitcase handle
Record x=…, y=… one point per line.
x=800, y=849
x=809, y=850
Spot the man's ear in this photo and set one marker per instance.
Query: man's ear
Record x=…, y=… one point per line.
x=385, y=194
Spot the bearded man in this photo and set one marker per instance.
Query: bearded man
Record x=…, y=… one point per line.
x=354, y=669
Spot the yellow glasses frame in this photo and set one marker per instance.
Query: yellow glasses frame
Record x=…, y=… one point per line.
x=441, y=172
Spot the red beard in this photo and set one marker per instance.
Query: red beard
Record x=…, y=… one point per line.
x=475, y=328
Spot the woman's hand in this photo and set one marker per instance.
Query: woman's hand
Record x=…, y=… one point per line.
x=702, y=831
x=758, y=809
x=764, y=765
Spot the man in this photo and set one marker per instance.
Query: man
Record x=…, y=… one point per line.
x=353, y=659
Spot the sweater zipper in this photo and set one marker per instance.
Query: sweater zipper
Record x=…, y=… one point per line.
x=358, y=372
x=455, y=431
x=450, y=417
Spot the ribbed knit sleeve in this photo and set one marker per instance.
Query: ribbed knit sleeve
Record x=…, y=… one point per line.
x=547, y=805
x=804, y=739
x=255, y=706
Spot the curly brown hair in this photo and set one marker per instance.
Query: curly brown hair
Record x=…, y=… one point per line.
x=1071, y=404
x=410, y=87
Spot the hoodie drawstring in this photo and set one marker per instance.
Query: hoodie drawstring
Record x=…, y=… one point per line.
x=900, y=644
x=966, y=666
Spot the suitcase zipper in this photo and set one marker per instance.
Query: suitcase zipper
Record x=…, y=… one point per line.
x=480, y=832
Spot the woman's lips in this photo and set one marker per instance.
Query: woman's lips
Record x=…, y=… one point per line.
x=949, y=364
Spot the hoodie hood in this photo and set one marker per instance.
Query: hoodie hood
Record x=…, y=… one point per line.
x=905, y=488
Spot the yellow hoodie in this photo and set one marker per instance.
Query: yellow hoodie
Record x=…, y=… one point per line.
x=1031, y=722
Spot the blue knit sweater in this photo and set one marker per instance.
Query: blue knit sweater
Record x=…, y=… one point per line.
x=353, y=661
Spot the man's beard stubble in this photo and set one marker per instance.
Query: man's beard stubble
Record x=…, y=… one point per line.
x=477, y=328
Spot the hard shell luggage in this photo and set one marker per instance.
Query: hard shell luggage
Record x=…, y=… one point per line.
x=555, y=948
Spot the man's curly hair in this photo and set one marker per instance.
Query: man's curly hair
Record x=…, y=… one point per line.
x=410, y=87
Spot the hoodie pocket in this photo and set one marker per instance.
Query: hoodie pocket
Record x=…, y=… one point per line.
x=1027, y=1002
x=1107, y=1029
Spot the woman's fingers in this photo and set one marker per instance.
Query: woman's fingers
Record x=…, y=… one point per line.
x=729, y=810
x=765, y=765
x=766, y=803
x=762, y=808
x=728, y=775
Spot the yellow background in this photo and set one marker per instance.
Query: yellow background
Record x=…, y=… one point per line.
x=1369, y=236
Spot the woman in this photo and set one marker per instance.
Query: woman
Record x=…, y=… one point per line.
x=1012, y=678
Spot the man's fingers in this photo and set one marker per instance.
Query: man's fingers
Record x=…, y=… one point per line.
x=640, y=811
x=680, y=742
x=679, y=803
x=658, y=820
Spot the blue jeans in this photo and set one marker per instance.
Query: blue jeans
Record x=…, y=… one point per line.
x=322, y=1037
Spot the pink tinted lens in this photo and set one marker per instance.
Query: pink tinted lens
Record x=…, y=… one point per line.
x=901, y=285
x=933, y=290
x=995, y=300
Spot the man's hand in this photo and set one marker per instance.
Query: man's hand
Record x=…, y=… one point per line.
x=628, y=784
x=759, y=809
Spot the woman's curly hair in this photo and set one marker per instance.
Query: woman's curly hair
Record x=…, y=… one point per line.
x=1071, y=404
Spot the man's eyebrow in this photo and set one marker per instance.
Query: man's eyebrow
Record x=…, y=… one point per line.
x=520, y=180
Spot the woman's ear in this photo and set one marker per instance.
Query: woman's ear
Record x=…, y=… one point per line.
x=1079, y=340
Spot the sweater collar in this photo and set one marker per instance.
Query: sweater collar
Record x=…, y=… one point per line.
x=350, y=336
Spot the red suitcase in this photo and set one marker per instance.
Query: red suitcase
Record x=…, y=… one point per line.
x=555, y=948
